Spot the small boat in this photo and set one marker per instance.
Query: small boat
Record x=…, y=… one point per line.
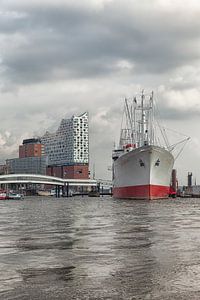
x=44, y=193
x=14, y=196
x=94, y=194
x=3, y=195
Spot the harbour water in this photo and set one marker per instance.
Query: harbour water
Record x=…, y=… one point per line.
x=99, y=248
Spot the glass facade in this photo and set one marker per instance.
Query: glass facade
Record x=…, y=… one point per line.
x=70, y=143
x=27, y=165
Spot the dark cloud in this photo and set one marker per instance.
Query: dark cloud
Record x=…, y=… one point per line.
x=72, y=42
x=170, y=113
x=59, y=58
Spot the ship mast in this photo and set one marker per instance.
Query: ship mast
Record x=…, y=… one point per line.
x=138, y=126
x=130, y=121
x=147, y=115
x=142, y=118
x=151, y=120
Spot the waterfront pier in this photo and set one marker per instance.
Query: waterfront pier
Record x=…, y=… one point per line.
x=62, y=186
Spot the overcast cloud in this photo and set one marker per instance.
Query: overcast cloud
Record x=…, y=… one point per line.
x=59, y=58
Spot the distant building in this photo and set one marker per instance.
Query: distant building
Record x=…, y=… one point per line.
x=79, y=171
x=64, y=153
x=31, y=148
x=32, y=159
x=68, y=148
x=3, y=169
x=70, y=143
x=27, y=165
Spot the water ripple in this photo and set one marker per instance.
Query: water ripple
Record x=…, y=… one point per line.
x=99, y=248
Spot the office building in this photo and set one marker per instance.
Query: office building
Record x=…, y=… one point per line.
x=68, y=148
x=31, y=148
x=27, y=165
x=64, y=153
x=32, y=159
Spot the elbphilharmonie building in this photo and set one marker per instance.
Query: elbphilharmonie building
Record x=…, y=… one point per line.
x=68, y=146
x=63, y=153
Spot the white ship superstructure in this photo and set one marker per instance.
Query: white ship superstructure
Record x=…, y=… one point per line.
x=141, y=167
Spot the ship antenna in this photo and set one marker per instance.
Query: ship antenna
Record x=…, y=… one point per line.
x=142, y=118
x=129, y=117
x=151, y=137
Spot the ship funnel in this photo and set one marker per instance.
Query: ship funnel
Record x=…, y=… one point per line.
x=174, y=180
x=189, y=179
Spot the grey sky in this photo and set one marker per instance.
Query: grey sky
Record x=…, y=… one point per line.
x=59, y=58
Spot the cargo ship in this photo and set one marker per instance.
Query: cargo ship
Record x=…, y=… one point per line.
x=141, y=166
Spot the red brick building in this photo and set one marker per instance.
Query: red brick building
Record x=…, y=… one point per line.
x=31, y=148
x=69, y=172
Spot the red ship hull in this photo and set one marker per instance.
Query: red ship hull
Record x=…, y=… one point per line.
x=148, y=191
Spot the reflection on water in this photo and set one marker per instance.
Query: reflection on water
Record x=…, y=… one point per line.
x=99, y=248
x=39, y=275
